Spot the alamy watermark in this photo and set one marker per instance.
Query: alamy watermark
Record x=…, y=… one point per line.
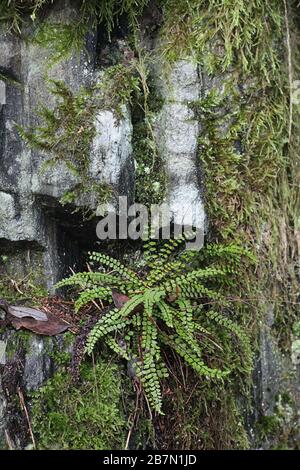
x=137, y=221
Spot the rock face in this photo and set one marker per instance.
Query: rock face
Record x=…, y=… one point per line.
x=111, y=154
x=276, y=390
x=43, y=238
x=32, y=218
x=177, y=132
x=40, y=236
x=26, y=361
x=30, y=212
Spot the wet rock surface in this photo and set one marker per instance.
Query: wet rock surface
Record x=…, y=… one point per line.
x=26, y=362
x=30, y=209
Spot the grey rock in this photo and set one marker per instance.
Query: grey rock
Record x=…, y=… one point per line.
x=26, y=364
x=177, y=133
x=37, y=363
x=276, y=375
x=2, y=92
x=30, y=209
x=112, y=151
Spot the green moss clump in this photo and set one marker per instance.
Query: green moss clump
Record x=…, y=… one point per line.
x=16, y=282
x=64, y=39
x=150, y=169
x=14, y=12
x=150, y=174
x=280, y=430
x=85, y=416
x=66, y=135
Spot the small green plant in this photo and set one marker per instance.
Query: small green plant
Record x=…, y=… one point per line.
x=13, y=12
x=63, y=39
x=161, y=306
x=67, y=130
x=65, y=416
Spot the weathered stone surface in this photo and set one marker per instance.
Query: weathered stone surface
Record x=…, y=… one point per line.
x=269, y=371
x=177, y=133
x=30, y=210
x=276, y=390
x=111, y=153
x=26, y=363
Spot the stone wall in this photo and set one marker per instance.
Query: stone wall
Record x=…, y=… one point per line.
x=43, y=237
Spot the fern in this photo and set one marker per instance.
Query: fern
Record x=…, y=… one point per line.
x=163, y=308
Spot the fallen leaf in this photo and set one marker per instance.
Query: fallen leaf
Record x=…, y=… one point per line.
x=38, y=322
x=53, y=326
x=21, y=312
x=119, y=299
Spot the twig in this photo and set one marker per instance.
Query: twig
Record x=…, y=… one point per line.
x=93, y=301
x=133, y=421
x=23, y=406
x=8, y=441
x=15, y=286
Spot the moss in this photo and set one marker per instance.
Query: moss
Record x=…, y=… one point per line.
x=296, y=329
x=201, y=415
x=63, y=39
x=18, y=281
x=268, y=426
x=66, y=135
x=150, y=169
x=280, y=430
x=67, y=131
x=247, y=156
x=119, y=86
x=87, y=416
x=15, y=12
x=150, y=174
x=18, y=345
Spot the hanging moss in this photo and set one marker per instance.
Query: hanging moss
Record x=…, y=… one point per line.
x=63, y=39
x=67, y=131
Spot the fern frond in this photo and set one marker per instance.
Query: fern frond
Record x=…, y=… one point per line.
x=192, y=278
x=148, y=372
x=164, y=308
x=169, y=270
x=131, y=305
x=235, y=328
x=117, y=266
x=166, y=313
x=182, y=348
x=110, y=322
x=119, y=350
x=88, y=295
